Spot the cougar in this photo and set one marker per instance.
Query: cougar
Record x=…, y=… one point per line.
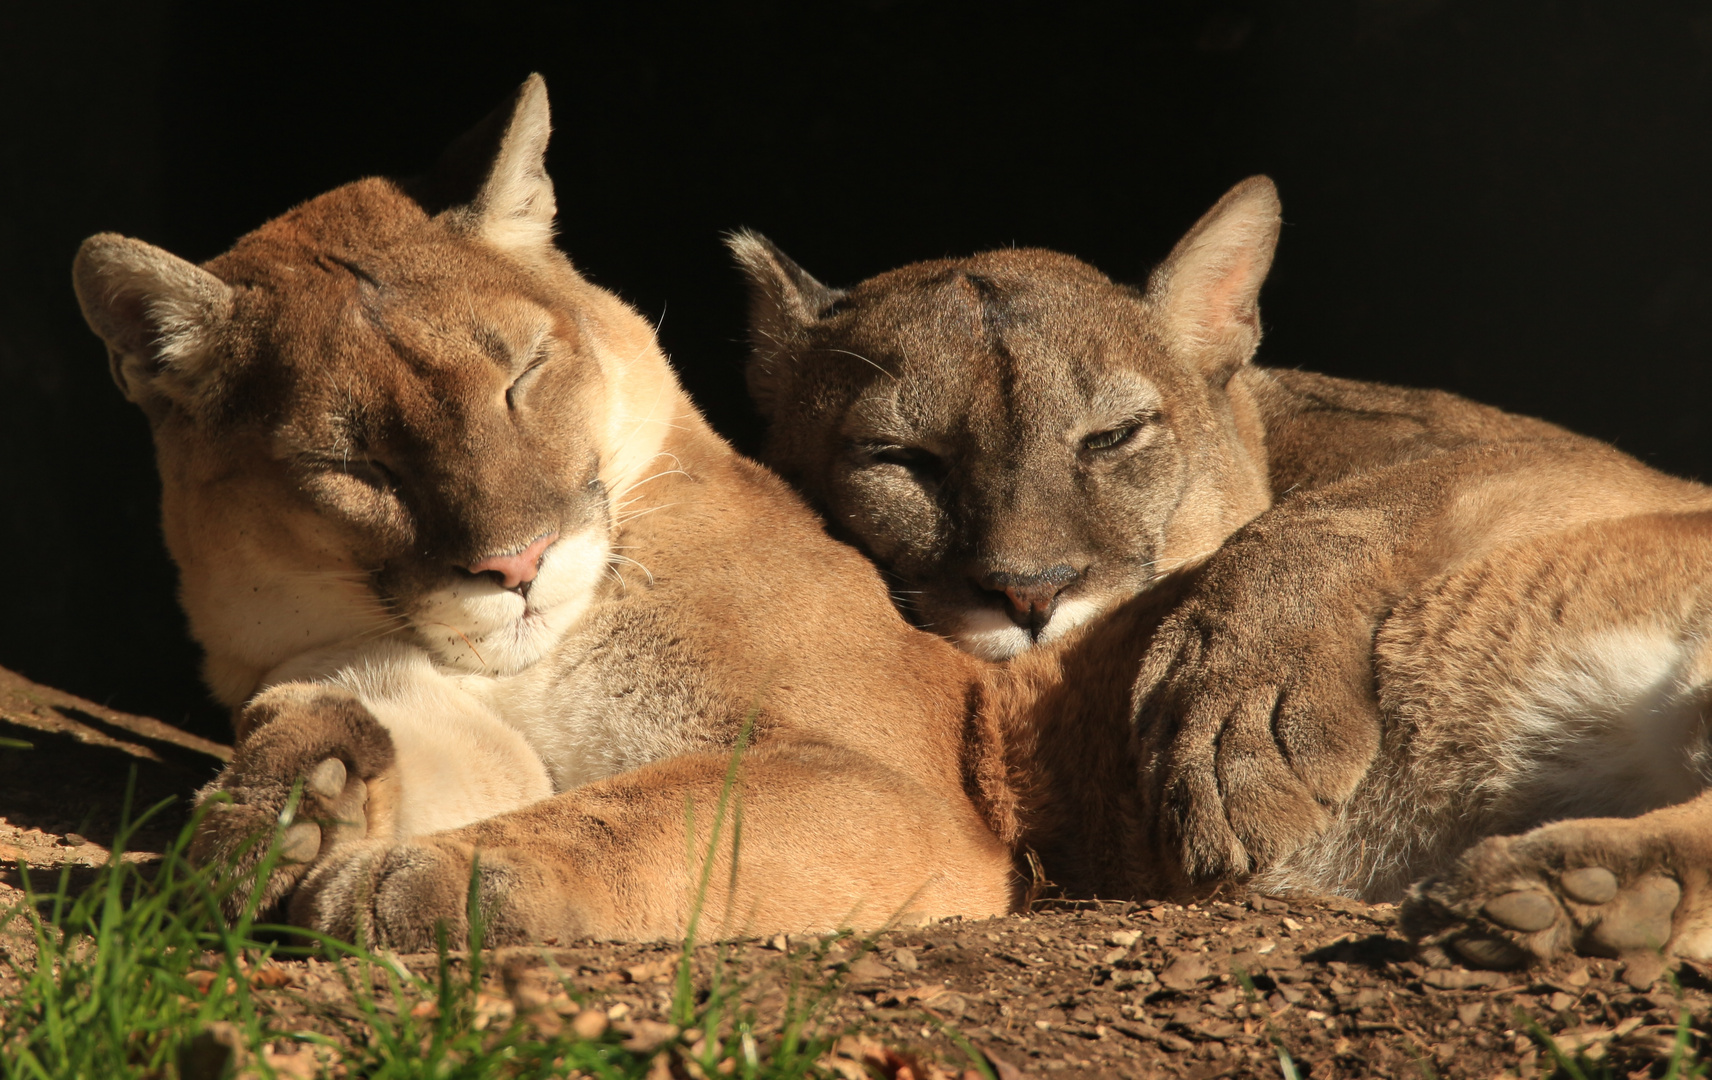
x=479, y=582
x=1401, y=633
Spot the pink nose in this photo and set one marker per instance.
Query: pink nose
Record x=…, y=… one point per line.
x=518, y=569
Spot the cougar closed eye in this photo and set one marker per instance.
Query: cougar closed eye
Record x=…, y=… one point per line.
x=1112, y=438
x=368, y=471
x=527, y=375
x=914, y=458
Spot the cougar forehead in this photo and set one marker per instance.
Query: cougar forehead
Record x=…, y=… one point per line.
x=980, y=353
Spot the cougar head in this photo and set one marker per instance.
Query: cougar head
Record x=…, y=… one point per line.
x=394, y=410
x=1018, y=441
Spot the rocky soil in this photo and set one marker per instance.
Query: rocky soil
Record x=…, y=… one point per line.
x=1242, y=985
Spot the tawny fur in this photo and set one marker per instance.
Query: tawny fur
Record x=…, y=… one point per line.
x=393, y=382
x=1379, y=625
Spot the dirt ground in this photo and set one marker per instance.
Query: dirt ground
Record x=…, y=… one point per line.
x=1245, y=985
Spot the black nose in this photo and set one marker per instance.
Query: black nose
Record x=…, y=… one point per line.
x=1031, y=598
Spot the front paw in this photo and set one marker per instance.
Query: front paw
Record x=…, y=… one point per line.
x=311, y=735
x=403, y=896
x=1252, y=751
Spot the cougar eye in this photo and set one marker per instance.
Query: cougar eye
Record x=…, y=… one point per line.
x=365, y=470
x=1106, y=440
x=524, y=378
x=913, y=458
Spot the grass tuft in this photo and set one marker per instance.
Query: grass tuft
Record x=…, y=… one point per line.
x=137, y=975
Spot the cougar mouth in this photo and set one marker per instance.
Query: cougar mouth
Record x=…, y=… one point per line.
x=992, y=634
x=474, y=623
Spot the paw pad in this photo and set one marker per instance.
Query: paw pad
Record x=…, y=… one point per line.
x=1639, y=919
x=1590, y=885
x=1527, y=910
x=301, y=842
x=327, y=779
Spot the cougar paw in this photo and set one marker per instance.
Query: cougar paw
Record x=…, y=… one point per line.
x=1589, y=887
x=1236, y=802
x=404, y=895
x=319, y=741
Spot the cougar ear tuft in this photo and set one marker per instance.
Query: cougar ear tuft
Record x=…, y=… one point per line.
x=1207, y=291
x=494, y=177
x=157, y=313
x=783, y=300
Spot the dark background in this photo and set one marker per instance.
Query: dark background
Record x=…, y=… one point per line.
x=1511, y=200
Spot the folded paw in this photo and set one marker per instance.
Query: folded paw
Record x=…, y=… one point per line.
x=403, y=896
x=319, y=740
x=1598, y=887
x=1252, y=753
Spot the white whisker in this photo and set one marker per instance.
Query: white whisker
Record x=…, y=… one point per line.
x=656, y=476
x=867, y=361
x=615, y=557
x=625, y=519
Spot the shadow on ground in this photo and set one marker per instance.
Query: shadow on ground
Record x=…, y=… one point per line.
x=72, y=779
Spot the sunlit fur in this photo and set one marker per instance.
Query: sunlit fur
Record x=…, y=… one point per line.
x=362, y=406
x=1451, y=623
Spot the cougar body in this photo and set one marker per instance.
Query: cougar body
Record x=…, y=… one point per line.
x=1380, y=631
x=478, y=580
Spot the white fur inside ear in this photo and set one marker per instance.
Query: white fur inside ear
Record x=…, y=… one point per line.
x=155, y=311
x=516, y=206
x=1214, y=292
x=184, y=344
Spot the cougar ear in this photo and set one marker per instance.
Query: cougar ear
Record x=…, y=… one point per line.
x=1207, y=291
x=156, y=312
x=494, y=177
x=783, y=300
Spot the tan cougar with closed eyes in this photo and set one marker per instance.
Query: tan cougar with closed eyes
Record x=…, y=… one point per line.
x=468, y=565
x=1398, y=626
